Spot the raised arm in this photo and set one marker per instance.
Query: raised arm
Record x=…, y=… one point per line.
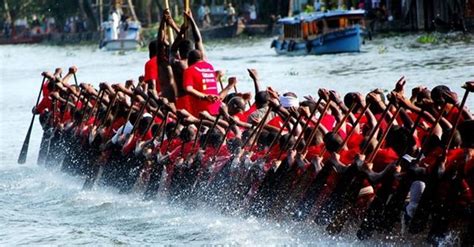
x=256, y=80
x=196, y=33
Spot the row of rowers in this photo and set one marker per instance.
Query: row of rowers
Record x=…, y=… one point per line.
x=284, y=116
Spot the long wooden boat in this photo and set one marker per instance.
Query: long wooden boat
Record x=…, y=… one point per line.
x=223, y=32
x=34, y=39
x=321, y=33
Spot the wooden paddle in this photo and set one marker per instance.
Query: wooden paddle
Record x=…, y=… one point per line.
x=75, y=79
x=26, y=142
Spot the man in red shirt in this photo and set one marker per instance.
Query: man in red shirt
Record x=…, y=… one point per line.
x=201, y=84
x=151, y=68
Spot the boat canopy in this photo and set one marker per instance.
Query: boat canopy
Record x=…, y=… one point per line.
x=308, y=17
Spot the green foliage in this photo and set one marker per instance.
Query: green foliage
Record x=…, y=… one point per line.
x=59, y=9
x=427, y=39
x=308, y=8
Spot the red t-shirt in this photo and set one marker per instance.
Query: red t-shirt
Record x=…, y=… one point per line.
x=201, y=76
x=383, y=158
x=151, y=72
x=45, y=103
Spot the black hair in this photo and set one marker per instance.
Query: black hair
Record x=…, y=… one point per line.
x=133, y=117
x=431, y=142
x=228, y=97
x=154, y=129
x=286, y=140
x=170, y=130
x=144, y=122
x=214, y=138
x=290, y=94
x=233, y=144
x=184, y=48
x=438, y=92
x=400, y=140
x=349, y=99
x=153, y=48
x=262, y=98
x=194, y=56
x=456, y=142
x=466, y=129
x=186, y=134
x=332, y=141
x=310, y=104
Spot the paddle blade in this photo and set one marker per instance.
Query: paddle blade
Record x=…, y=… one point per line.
x=26, y=143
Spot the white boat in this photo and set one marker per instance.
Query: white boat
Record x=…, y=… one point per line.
x=124, y=39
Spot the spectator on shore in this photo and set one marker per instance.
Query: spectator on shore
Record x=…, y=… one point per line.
x=231, y=15
x=253, y=12
x=7, y=27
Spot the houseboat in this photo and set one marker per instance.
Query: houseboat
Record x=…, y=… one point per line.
x=321, y=33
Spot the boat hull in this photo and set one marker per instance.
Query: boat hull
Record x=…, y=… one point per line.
x=223, y=32
x=121, y=44
x=340, y=41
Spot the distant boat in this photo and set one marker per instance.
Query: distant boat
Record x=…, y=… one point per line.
x=128, y=39
x=321, y=33
x=223, y=31
x=32, y=39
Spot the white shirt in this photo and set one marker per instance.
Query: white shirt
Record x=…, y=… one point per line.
x=128, y=130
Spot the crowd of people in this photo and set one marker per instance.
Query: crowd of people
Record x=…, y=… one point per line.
x=372, y=160
x=26, y=27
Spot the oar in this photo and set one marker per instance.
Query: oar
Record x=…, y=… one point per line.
x=339, y=125
x=197, y=134
x=257, y=128
x=223, y=140
x=178, y=122
x=306, y=124
x=152, y=119
x=140, y=113
x=26, y=142
x=75, y=79
x=280, y=131
x=206, y=139
x=316, y=126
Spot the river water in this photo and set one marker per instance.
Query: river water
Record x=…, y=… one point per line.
x=44, y=207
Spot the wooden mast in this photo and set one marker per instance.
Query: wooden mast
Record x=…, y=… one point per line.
x=168, y=29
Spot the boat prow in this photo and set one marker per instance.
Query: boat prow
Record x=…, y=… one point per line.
x=121, y=44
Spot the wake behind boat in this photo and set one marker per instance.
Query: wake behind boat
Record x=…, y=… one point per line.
x=321, y=33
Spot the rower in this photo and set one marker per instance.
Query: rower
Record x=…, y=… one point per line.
x=200, y=81
x=151, y=68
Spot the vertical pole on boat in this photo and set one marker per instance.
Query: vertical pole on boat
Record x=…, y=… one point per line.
x=101, y=13
x=168, y=29
x=186, y=9
x=132, y=10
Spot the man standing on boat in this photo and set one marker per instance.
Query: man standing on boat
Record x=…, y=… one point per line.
x=151, y=68
x=201, y=84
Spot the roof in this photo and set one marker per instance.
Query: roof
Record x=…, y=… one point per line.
x=307, y=17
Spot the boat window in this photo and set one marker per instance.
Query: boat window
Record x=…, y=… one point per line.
x=320, y=26
x=332, y=23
